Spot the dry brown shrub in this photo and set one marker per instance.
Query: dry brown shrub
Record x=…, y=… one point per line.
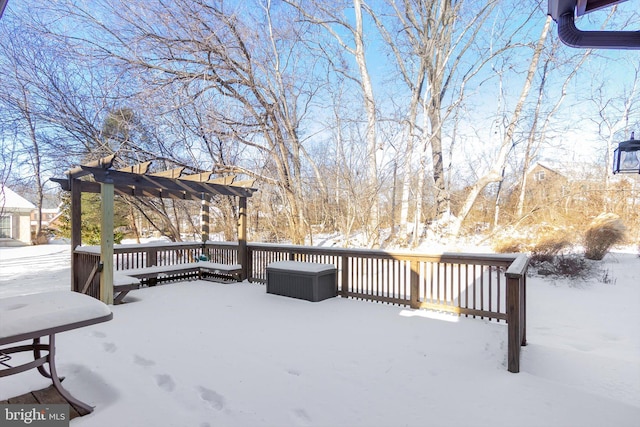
x=507, y=245
x=604, y=231
x=550, y=244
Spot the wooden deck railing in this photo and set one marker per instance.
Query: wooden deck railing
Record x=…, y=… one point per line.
x=488, y=286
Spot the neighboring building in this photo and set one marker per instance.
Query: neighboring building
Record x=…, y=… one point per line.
x=577, y=189
x=15, y=218
x=545, y=182
x=48, y=215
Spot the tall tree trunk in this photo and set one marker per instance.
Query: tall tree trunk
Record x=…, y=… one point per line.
x=370, y=110
x=494, y=175
x=36, y=164
x=328, y=17
x=408, y=159
x=532, y=147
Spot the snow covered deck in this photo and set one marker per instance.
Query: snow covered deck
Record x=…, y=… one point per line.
x=491, y=286
x=365, y=364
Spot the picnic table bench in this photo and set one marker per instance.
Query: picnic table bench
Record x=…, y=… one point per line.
x=31, y=317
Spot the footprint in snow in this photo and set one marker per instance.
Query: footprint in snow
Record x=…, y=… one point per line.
x=139, y=360
x=165, y=382
x=109, y=347
x=300, y=417
x=214, y=399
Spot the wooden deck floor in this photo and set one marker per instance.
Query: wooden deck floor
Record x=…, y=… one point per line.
x=45, y=396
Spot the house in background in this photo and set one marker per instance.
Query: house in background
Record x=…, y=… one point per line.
x=51, y=211
x=546, y=182
x=48, y=215
x=15, y=218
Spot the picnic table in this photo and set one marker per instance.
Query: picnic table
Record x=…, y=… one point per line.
x=31, y=317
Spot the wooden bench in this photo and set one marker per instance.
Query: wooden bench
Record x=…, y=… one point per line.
x=151, y=274
x=125, y=281
x=31, y=317
x=122, y=284
x=219, y=272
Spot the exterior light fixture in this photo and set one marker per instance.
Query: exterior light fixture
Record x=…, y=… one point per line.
x=626, y=158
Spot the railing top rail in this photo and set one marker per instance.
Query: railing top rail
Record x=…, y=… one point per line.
x=87, y=250
x=135, y=247
x=453, y=257
x=516, y=263
x=218, y=243
x=518, y=267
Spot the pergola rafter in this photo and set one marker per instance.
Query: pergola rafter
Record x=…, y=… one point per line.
x=135, y=181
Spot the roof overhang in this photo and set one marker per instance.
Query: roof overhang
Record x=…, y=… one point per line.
x=3, y=4
x=564, y=13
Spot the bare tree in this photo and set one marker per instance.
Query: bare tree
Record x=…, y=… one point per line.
x=617, y=117
x=494, y=173
x=349, y=34
x=241, y=60
x=19, y=98
x=540, y=124
x=438, y=39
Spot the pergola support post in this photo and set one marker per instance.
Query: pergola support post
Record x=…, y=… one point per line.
x=243, y=255
x=106, y=243
x=76, y=228
x=204, y=219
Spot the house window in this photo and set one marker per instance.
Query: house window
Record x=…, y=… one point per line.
x=539, y=176
x=5, y=227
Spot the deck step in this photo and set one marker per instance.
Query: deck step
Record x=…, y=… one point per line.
x=45, y=396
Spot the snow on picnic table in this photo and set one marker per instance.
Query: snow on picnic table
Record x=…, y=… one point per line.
x=207, y=354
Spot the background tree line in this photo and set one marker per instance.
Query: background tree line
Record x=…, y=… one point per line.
x=395, y=119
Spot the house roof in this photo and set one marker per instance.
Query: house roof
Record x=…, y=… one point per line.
x=572, y=171
x=548, y=166
x=11, y=200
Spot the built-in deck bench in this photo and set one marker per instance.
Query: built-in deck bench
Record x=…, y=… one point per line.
x=130, y=273
x=219, y=272
x=127, y=280
x=150, y=275
x=202, y=270
x=122, y=284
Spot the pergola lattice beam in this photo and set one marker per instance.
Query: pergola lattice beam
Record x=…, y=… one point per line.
x=198, y=177
x=125, y=182
x=139, y=168
x=171, y=173
x=224, y=180
x=79, y=172
x=94, y=187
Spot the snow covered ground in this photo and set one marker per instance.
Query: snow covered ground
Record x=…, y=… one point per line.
x=206, y=354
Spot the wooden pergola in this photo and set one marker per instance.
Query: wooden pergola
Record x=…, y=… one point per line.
x=135, y=181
